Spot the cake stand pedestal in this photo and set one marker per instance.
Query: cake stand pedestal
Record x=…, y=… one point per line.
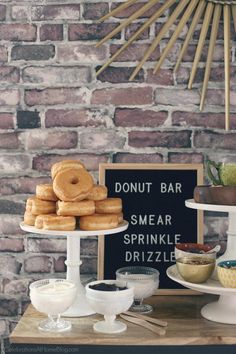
x=223, y=310
x=80, y=307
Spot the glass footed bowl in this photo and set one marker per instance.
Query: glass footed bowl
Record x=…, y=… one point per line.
x=109, y=304
x=145, y=281
x=53, y=297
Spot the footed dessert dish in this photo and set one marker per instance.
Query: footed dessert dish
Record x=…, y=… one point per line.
x=109, y=298
x=72, y=199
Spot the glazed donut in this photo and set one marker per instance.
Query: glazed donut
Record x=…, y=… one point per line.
x=72, y=185
x=84, y=207
x=29, y=219
x=98, y=222
x=62, y=165
x=55, y=222
x=120, y=218
x=109, y=206
x=98, y=192
x=37, y=206
x=45, y=192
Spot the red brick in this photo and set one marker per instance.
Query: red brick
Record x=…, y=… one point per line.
x=17, y=287
x=4, y=330
x=74, y=118
x=33, y=52
x=102, y=140
x=199, y=119
x=9, y=97
x=6, y=120
x=46, y=245
x=56, y=12
x=213, y=140
x=135, y=7
x=3, y=9
x=53, y=75
x=20, y=13
x=8, y=307
x=21, y=185
x=89, y=247
x=14, y=163
x=9, y=206
x=134, y=52
x=162, y=77
x=85, y=53
x=3, y=54
x=52, y=96
x=18, y=32
x=89, y=265
x=177, y=97
x=51, y=140
x=168, y=139
x=90, y=31
x=217, y=97
x=123, y=96
x=9, y=264
x=38, y=264
x=119, y=74
x=51, y=32
x=93, y=11
x=134, y=27
x=184, y=157
x=218, y=74
x=9, y=141
x=59, y=264
x=9, y=74
x=126, y=117
x=9, y=225
x=138, y=158
x=218, y=55
x=11, y=244
x=91, y=161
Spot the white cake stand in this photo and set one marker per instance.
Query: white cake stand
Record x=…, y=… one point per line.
x=223, y=310
x=80, y=307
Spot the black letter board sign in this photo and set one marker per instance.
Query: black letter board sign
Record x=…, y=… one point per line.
x=153, y=197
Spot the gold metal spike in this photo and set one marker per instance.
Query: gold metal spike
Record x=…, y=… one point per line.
x=117, y=10
x=227, y=64
x=234, y=15
x=160, y=35
x=205, y=26
x=176, y=33
x=214, y=31
x=195, y=20
x=152, y=19
x=125, y=23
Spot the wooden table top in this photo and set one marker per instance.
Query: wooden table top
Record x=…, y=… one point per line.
x=185, y=327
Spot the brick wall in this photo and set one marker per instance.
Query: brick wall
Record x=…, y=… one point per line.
x=52, y=105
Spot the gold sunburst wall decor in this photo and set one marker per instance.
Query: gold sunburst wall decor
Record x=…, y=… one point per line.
x=210, y=10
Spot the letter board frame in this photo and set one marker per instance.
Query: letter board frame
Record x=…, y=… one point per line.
x=137, y=184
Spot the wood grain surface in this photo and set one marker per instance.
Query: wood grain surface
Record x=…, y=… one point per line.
x=185, y=327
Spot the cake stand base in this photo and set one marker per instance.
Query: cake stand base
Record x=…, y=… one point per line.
x=222, y=311
x=80, y=306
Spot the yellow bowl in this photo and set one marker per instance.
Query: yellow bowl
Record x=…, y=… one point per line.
x=195, y=269
x=226, y=271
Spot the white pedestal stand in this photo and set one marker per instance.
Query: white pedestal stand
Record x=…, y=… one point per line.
x=223, y=310
x=80, y=307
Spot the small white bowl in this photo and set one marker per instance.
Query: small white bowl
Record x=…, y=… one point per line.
x=109, y=304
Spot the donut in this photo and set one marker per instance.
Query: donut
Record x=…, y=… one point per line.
x=45, y=192
x=29, y=219
x=120, y=218
x=98, y=222
x=98, y=192
x=109, y=206
x=72, y=185
x=84, y=207
x=62, y=165
x=55, y=222
x=37, y=206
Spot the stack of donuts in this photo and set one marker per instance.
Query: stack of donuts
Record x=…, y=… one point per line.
x=72, y=199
